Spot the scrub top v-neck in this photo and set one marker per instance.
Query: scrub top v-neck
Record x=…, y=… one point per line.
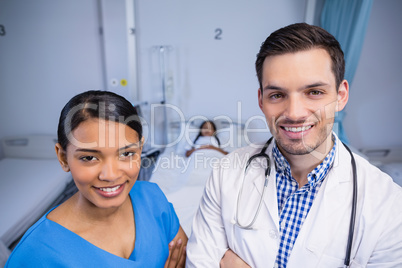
x=47, y=243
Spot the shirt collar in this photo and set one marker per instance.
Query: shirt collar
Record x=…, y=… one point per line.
x=316, y=175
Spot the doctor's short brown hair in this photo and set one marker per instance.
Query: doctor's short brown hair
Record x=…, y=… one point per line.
x=301, y=37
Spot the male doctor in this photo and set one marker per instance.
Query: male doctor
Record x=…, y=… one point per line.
x=305, y=214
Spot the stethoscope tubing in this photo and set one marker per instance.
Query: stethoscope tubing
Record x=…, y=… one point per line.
x=263, y=154
x=353, y=211
x=267, y=173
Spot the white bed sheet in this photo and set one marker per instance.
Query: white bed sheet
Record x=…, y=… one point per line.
x=183, y=180
x=27, y=188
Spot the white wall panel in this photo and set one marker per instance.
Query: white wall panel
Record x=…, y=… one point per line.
x=51, y=51
x=374, y=110
x=207, y=73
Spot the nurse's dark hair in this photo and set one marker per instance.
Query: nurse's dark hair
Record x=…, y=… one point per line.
x=301, y=37
x=96, y=104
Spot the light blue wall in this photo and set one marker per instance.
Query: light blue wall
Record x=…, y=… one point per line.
x=206, y=76
x=50, y=52
x=374, y=110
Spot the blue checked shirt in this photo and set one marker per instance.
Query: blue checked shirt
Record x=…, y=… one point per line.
x=294, y=203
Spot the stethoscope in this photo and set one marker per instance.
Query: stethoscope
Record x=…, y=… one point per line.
x=264, y=155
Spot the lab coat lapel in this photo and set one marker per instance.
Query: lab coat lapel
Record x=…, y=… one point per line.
x=326, y=214
x=264, y=235
x=270, y=199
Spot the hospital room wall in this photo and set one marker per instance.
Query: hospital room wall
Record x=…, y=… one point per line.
x=373, y=114
x=209, y=77
x=210, y=52
x=50, y=52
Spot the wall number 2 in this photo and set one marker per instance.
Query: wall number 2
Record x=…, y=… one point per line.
x=218, y=34
x=2, y=30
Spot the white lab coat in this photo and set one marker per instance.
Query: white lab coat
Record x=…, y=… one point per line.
x=322, y=240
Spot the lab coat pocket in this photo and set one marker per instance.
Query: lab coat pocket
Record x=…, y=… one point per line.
x=330, y=261
x=258, y=246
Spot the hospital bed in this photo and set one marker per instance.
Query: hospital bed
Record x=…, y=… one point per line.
x=181, y=178
x=31, y=181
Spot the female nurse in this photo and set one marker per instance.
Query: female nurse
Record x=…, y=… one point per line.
x=113, y=220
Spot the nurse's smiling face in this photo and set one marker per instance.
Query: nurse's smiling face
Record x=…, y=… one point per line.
x=299, y=99
x=104, y=161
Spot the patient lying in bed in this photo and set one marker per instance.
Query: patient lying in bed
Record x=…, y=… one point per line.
x=206, y=139
x=182, y=172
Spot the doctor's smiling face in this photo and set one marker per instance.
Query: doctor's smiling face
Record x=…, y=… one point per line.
x=299, y=98
x=300, y=69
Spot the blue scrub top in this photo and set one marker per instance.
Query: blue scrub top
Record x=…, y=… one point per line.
x=48, y=244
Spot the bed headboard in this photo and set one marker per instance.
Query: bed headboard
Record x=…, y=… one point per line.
x=33, y=147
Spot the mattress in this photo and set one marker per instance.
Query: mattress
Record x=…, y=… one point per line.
x=28, y=187
x=183, y=179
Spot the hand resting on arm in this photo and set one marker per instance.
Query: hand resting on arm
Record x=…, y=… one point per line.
x=177, y=251
x=231, y=260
